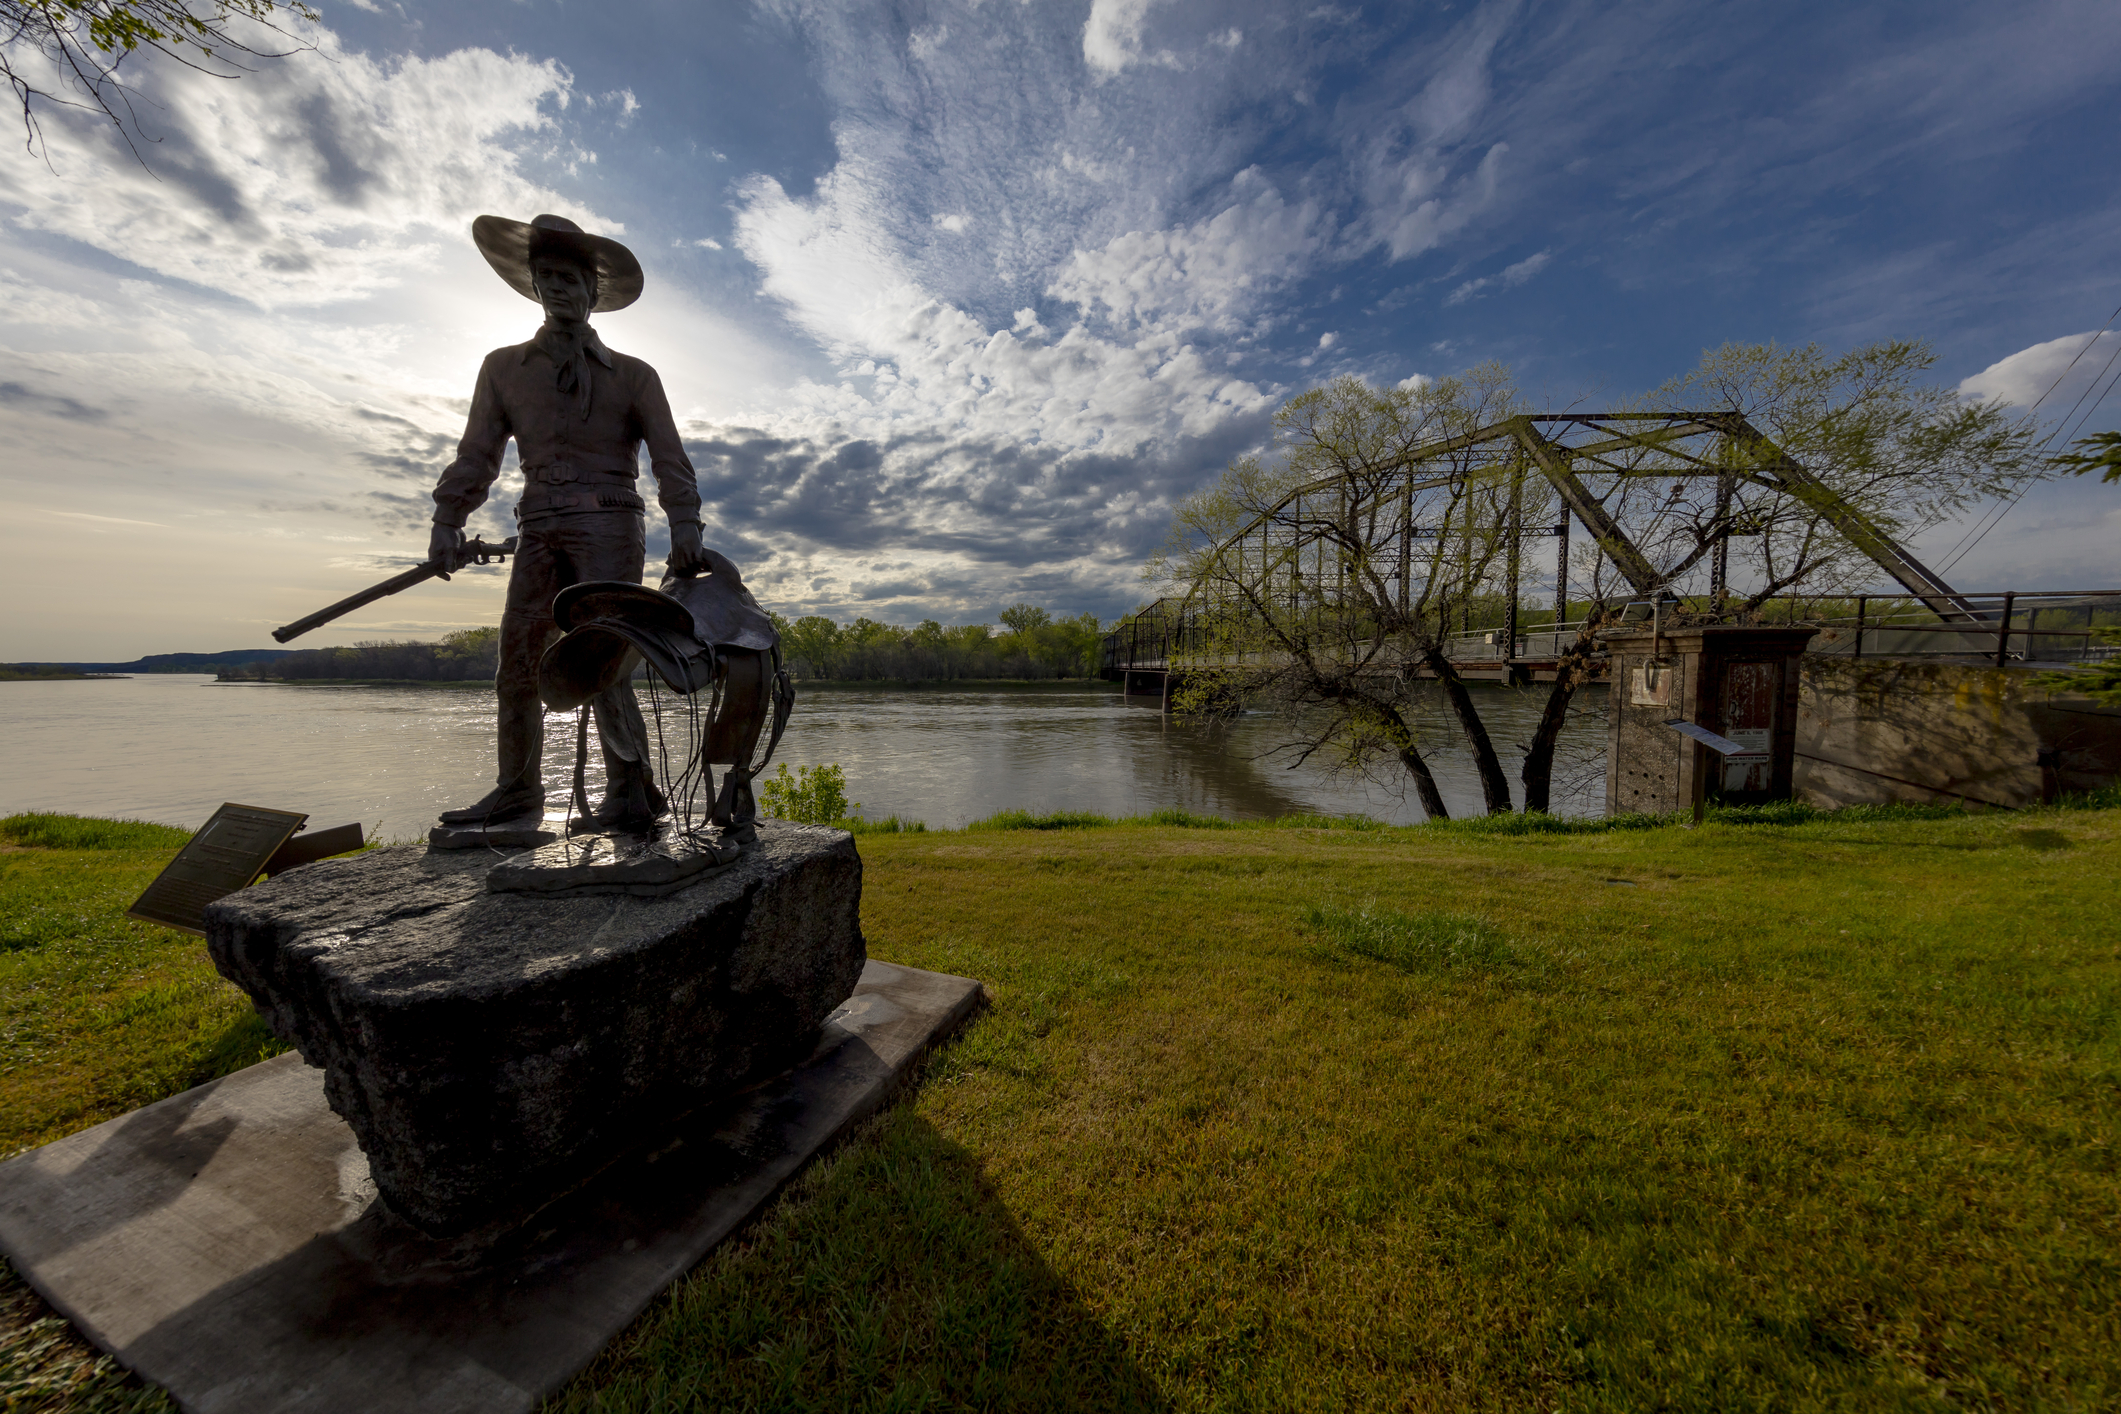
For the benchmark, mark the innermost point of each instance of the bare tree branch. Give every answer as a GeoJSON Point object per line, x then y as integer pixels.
{"type": "Point", "coordinates": [67, 53]}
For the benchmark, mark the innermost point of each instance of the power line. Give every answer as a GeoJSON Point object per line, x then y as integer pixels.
{"type": "Point", "coordinates": [1976, 533]}
{"type": "Point", "coordinates": [2080, 354]}
{"type": "Point", "coordinates": [2072, 434]}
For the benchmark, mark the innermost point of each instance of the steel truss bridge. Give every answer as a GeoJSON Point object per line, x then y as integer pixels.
{"type": "Point", "coordinates": [1370, 520]}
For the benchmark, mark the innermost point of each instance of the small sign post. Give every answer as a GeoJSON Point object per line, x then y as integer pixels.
{"type": "Point", "coordinates": [229, 851]}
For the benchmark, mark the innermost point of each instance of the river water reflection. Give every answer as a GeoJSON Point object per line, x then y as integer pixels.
{"type": "Point", "coordinates": [171, 748]}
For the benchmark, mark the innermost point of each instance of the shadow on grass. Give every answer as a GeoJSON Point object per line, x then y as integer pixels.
{"type": "Point", "coordinates": [890, 1277]}
{"type": "Point", "coordinates": [245, 1042]}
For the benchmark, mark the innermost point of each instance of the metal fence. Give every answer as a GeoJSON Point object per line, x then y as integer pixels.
{"type": "Point", "coordinates": [2013, 626]}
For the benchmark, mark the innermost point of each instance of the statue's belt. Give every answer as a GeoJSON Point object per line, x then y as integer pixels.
{"type": "Point", "coordinates": [539, 501]}
{"type": "Point", "coordinates": [582, 467]}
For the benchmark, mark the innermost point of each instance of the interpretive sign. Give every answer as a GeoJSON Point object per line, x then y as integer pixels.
{"type": "Point", "coordinates": [229, 851]}
{"type": "Point", "coordinates": [1722, 745]}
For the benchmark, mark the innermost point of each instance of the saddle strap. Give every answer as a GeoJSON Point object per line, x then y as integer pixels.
{"type": "Point", "coordinates": [783, 704]}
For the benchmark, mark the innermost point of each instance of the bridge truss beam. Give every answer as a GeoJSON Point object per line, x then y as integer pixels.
{"type": "Point", "coordinates": [1569, 451]}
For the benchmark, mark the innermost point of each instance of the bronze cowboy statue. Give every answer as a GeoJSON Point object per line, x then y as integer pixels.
{"type": "Point", "coordinates": [579, 414]}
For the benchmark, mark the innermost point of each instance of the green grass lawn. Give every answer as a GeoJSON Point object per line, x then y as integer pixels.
{"type": "Point", "coordinates": [1782, 1116]}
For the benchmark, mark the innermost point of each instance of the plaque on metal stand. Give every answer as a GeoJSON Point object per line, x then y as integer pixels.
{"type": "Point", "coordinates": [231, 849]}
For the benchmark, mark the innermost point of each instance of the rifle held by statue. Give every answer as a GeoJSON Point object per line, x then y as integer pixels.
{"type": "Point", "coordinates": [474, 552]}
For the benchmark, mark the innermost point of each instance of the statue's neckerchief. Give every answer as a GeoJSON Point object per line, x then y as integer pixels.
{"type": "Point", "coordinates": [571, 350]}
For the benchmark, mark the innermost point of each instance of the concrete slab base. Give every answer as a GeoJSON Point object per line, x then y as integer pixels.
{"type": "Point", "coordinates": [226, 1243]}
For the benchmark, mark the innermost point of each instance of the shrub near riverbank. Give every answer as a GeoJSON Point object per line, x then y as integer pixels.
{"type": "Point", "coordinates": [1786, 1112]}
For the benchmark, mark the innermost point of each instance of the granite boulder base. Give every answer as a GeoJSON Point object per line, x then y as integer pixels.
{"type": "Point", "coordinates": [491, 1051]}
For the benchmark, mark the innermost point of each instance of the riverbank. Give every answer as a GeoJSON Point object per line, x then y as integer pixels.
{"type": "Point", "coordinates": [1800, 1115]}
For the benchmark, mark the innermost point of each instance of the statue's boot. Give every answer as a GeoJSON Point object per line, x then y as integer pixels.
{"type": "Point", "coordinates": [521, 737]}
{"type": "Point", "coordinates": [509, 802]}
{"type": "Point", "coordinates": [631, 802]}
{"type": "Point", "coordinates": [736, 812]}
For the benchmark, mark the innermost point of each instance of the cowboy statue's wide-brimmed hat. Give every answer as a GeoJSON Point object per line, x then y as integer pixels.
{"type": "Point", "coordinates": [511, 246]}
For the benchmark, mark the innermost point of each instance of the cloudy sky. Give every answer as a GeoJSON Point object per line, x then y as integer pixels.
{"type": "Point", "coordinates": [954, 298]}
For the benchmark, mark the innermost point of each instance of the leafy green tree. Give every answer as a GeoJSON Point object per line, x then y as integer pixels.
{"type": "Point", "coordinates": [871, 650]}
{"type": "Point", "coordinates": [77, 46]}
{"type": "Point", "coordinates": [812, 643]}
{"type": "Point", "coordinates": [1325, 632]}
{"type": "Point", "coordinates": [865, 631]}
{"type": "Point", "coordinates": [2099, 452]}
{"type": "Point", "coordinates": [1868, 423]}
{"type": "Point", "coordinates": [2101, 682]}
{"type": "Point", "coordinates": [1022, 618]}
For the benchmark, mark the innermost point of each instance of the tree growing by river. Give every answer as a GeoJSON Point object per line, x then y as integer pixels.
{"type": "Point", "coordinates": [1324, 617]}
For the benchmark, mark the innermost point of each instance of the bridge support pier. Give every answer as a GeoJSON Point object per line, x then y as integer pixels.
{"type": "Point", "coordinates": [1738, 682]}
{"type": "Point", "coordinates": [1148, 682]}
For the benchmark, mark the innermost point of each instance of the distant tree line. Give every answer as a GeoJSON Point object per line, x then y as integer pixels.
{"type": "Point", "coordinates": [463, 656]}
{"type": "Point", "coordinates": [38, 672]}
{"type": "Point", "coordinates": [1031, 643]}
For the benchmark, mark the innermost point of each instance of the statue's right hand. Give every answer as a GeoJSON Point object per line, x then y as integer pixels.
{"type": "Point", "coordinates": [445, 548]}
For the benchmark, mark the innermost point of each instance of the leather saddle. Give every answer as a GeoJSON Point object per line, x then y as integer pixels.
{"type": "Point", "coordinates": [704, 631]}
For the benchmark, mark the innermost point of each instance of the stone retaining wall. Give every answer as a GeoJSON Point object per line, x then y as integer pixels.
{"type": "Point", "coordinates": [1878, 730]}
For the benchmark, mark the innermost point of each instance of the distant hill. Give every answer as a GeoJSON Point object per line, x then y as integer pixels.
{"type": "Point", "coordinates": [164, 662]}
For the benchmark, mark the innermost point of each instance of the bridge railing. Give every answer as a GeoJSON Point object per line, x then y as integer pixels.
{"type": "Point", "coordinates": [2011, 626]}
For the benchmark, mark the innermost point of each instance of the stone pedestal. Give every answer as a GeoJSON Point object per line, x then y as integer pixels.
{"type": "Point", "coordinates": [226, 1243]}
{"type": "Point", "coordinates": [651, 863]}
{"type": "Point", "coordinates": [492, 1050]}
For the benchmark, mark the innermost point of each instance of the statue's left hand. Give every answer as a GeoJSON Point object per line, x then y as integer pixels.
{"type": "Point", "coordinates": [687, 556]}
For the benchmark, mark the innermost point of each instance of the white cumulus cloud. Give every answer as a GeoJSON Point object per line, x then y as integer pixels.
{"type": "Point", "coordinates": [2060, 370]}
{"type": "Point", "coordinates": [1214, 272]}
{"type": "Point", "coordinates": [316, 178]}
{"type": "Point", "coordinates": [1112, 36]}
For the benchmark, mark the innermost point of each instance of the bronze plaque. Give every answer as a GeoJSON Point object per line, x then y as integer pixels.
{"type": "Point", "coordinates": [229, 851]}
